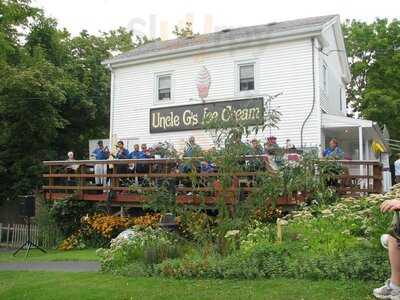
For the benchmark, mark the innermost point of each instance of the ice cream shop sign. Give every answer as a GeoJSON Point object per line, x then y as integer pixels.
{"type": "Point", "coordinates": [192, 117]}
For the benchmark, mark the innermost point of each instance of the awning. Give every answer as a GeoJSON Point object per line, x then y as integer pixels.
{"type": "Point", "coordinates": [371, 128]}
{"type": "Point", "coordinates": [333, 121]}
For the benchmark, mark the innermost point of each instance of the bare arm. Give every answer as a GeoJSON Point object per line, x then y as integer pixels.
{"type": "Point", "coordinates": [390, 205]}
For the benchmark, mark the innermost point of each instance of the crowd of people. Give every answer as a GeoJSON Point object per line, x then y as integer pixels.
{"type": "Point", "coordinates": [140, 152]}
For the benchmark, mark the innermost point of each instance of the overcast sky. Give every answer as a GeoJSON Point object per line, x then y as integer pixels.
{"type": "Point", "coordinates": [156, 18]}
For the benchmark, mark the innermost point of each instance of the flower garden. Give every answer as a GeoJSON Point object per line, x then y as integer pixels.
{"type": "Point", "coordinates": [336, 239]}
{"type": "Point", "coordinates": [327, 237]}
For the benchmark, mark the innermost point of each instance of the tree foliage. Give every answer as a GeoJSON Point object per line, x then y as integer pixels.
{"type": "Point", "coordinates": [54, 91]}
{"type": "Point", "coordinates": [184, 32]}
{"type": "Point", "coordinates": [374, 55]}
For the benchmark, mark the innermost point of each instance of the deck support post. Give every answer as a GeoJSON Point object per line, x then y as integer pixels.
{"type": "Point", "coordinates": [361, 153]}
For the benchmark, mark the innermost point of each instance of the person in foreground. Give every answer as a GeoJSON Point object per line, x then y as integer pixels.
{"type": "Point", "coordinates": [391, 289]}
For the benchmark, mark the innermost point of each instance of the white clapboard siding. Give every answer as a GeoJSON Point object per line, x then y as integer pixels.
{"type": "Point", "coordinates": [330, 101]}
{"type": "Point", "coordinates": [281, 67]}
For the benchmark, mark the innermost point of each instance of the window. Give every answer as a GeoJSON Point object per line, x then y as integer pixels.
{"type": "Point", "coordinates": [324, 78]}
{"type": "Point", "coordinates": [246, 77]}
{"type": "Point", "coordinates": [164, 88]}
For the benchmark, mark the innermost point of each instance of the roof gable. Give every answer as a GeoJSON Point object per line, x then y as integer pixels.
{"type": "Point", "coordinates": [224, 37]}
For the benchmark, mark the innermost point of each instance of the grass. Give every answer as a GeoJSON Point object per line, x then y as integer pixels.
{"type": "Point", "coordinates": [51, 285]}
{"type": "Point", "coordinates": [51, 255]}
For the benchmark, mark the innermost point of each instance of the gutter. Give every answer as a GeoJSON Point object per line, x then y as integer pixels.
{"type": "Point", "coordinates": [112, 89]}
{"type": "Point", "coordinates": [314, 93]}
{"type": "Point", "coordinates": [214, 47]}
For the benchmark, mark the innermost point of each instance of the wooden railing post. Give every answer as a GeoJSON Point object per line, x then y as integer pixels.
{"type": "Point", "coordinates": [51, 181]}
{"type": "Point", "coordinates": [377, 181]}
{"type": "Point", "coordinates": [81, 171]}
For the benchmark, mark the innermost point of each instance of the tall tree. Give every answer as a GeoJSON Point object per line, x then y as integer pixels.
{"type": "Point", "coordinates": [54, 92]}
{"type": "Point", "coordinates": [374, 55]}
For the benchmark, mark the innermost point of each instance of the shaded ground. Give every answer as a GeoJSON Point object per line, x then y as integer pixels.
{"type": "Point", "coordinates": [51, 255]}
{"type": "Point", "coordinates": [57, 285]}
{"type": "Point", "coordinates": [59, 266]}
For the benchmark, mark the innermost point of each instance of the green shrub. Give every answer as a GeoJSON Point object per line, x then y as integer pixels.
{"type": "Point", "coordinates": [143, 248]}
{"type": "Point", "coordinates": [337, 241]}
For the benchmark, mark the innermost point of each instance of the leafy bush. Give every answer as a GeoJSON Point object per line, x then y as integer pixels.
{"type": "Point", "coordinates": [98, 230]}
{"type": "Point", "coordinates": [337, 241]}
{"type": "Point", "coordinates": [143, 247]}
{"type": "Point", "coordinates": [68, 213]}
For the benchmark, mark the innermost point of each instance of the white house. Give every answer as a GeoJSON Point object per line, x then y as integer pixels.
{"type": "Point", "coordinates": [304, 61]}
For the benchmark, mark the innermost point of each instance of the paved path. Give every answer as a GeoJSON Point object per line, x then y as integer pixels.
{"type": "Point", "coordinates": [58, 266]}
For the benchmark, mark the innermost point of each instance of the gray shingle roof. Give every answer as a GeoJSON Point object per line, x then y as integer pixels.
{"type": "Point", "coordinates": [222, 37]}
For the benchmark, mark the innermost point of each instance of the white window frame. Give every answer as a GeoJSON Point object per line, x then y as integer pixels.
{"type": "Point", "coordinates": [156, 85]}
{"type": "Point", "coordinates": [325, 78]}
{"type": "Point", "coordinates": [238, 64]}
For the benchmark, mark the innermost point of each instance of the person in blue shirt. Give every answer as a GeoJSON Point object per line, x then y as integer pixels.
{"type": "Point", "coordinates": [122, 153]}
{"type": "Point", "coordinates": [137, 153]}
{"type": "Point", "coordinates": [333, 151]}
{"type": "Point", "coordinates": [100, 153]}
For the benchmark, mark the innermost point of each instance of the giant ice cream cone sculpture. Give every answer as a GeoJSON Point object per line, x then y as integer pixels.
{"type": "Point", "coordinates": [203, 83]}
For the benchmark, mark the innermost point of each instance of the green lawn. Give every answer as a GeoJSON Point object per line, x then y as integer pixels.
{"type": "Point", "coordinates": [59, 285]}
{"type": "Point", "coordinates": [47, 285]}
{"type": "Point", "coordinates": [51, 255]}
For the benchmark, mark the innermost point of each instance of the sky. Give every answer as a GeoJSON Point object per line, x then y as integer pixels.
{"type": "Point", "coordinates": [157, 18]}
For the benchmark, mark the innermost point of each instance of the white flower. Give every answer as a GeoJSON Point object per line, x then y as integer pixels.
{"type": "Point", "coordinates": [232, 233]}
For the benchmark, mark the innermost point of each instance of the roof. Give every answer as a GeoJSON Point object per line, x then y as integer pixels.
{"type": "Point", "coordinates": [333, 121]}
{"type": "Point", "coordinates": [224, 37]}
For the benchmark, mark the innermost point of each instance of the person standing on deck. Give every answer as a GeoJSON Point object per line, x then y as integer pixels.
{"type": "Point", "coordinates": [146, 151]}
{"type": "Point", "coordinates": [333, 151]}
{"type": "Point", "coordinates": [100, 153]}
{"type": "Point", "coordinates": [397, 169]}
{"type": "Point", "coordinates": [191, 150]}
{"type": "Point", "coordinates": [136, 153]}
{"type": "Point", "coordinates": [122, 153]}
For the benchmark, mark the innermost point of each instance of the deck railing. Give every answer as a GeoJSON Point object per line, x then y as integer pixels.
{"type": "Point", "coordinates": [359, 177]}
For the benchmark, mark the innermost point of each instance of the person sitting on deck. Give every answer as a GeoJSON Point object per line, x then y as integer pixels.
{"type": "Point", "coordinates": [100, 153]}
{"type": "Point", "coordinates": [333, 151]}
{"type": "Point", "coordinates": [71, 168]}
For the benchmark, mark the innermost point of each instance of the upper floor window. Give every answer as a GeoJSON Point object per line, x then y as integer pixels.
{"type": "Point", "coordinates": [164, 87]}
{"type": "Point", "coordinates": [324, 78]}
{"type": "Point", "coordinates": [246, 77]}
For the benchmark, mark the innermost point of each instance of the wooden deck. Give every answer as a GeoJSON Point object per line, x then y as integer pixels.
{"type": "Point", "coordinates": [360, 177]}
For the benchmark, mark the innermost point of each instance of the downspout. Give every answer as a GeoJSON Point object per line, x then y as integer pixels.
{"type": "Point", "coordinates": [111, 105]}
{"type": "Point", "coordinates": [313, 103]}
